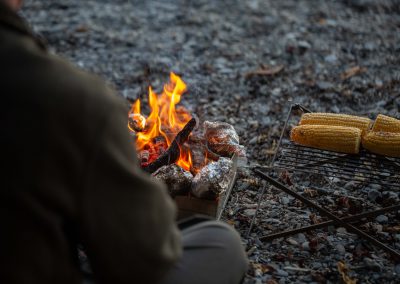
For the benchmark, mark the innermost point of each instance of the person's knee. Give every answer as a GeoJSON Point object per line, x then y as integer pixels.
{"type": "Point", "coordinates": [235, 249]}
{"type": "Point", "coordinates": [215, 233]}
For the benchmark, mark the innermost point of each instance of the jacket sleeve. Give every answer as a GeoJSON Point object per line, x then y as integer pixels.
{"type": "Point", "coordinates": [128, 220]}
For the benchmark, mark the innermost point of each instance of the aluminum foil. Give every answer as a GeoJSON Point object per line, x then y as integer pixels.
{"type": "Point", "coordinates": [222, 139]}
{"type": "Point", "coordinates": [177, 179]}
{"type": "Point", "coordinates": [213, 179]}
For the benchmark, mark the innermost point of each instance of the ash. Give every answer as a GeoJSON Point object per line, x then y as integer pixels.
{"type": "Point", "coordinates": [245, 62]}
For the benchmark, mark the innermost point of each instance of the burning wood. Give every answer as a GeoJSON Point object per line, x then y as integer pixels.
{"type": "Point", "coordinates": [173, 153]}
{"type": "Point", "coordinates": [223, 139]}
{"type": "Point", "coordinates": [170, 157]}
{"type": "Point", "coordinates": [152, 151]}
{"type": "Point", "coordinates": [177, 179]}
{"type": "Point", "coordinates": [154, 134]}
{"type": "Point", "coordinates": [212, 179]}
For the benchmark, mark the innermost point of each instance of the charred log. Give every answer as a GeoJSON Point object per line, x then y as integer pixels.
{"type": "Point", "coordinates": [172, 154]}
{"type": "Point", "coordinates": [152, 151]}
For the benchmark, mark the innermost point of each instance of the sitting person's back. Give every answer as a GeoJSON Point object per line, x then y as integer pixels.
{"type": "Point", "coordinates": [70, 175]}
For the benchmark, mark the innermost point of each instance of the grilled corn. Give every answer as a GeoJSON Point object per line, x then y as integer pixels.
{"type": "Point", "coordinates": [336, 119]}
{"type": "Point", "coordinates": [326, 137]}
{"type": "Point", "coordinates": [386, 124]}
{"type": "Point", "coordinates": [384, 143]}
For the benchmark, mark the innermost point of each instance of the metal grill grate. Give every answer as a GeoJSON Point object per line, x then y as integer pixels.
{"type": "Point", "coordinates": [364, 167]}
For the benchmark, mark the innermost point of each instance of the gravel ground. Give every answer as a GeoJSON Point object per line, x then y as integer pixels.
{"type": "Point", "coordinates": [245, 63]}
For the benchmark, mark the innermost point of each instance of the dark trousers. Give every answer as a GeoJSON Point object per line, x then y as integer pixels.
{"type": "Point", "coordinates": [212, 253]}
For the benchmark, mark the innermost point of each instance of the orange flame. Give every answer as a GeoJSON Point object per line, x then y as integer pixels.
{"type": "Point", "coordinates": [165, 119]}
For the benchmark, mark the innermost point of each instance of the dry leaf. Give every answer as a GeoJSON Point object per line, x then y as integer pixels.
{"type": "Point", "coordinates": [82, 29]}
{"type": "Point", "coordinates": [352, 72]}
{"type": "Point", "coordinates": [265, 71]}
{"type": "Point", "coordinates": [392, 229]}
{"type": "Point", "coordinates": [285, 177]}
{"type": "Point", "coordinates": [311, 192]}
{"type": "Point", "coordinates": [263, 268]}
{"type": "Point", "coordinates": [272, 150]}
{"type": "Point", "coordinates": [343, 270]}
{"type": "Point", "coordinates": [314, 219]}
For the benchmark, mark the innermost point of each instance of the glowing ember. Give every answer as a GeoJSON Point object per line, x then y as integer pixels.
{"type": "Point", "coordinates": [155, 133]}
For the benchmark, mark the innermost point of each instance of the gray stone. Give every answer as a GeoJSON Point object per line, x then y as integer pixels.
{"type": "Point", "coordinates": [292, 241]}
{"type": "Point", "coordinates": [282, 273]}
{"type": "Point", "coordinates": [301, 238]}
{"type": "Point", "coordinates": [331, 58]}
{"type": "Point", "coordinates": [285, 200]}
{"type": "Point", "coordinates": [397, 269]}
{"type": "Point", "coordinates": [374, 194]}
{"type": "Point", "coordinates": [249, 212]}
{"type": "Point", "coordinates": [306, 246]}
{"type": "Point", "coordinates": [372, 264]}
{"type": "Point", "coordinates": [341, 249]}
{"type": "Point", "coordinates": [382, 219]}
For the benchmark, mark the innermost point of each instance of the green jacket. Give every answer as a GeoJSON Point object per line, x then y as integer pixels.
{"type": "Point", "coordinates": [69, 175]}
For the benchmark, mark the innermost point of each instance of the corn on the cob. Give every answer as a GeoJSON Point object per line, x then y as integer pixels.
{"type": "Point", "coordinates": [386, 124]}
{"type": "Point", "coordinates": [326, 137]}
{"type": "Point", "coordinates": [384, 143]}
{"type": "Point", "coordinates": [336, 119]}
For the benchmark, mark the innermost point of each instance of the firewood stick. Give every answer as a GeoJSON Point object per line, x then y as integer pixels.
{"type": "Point", "coordinates": [172, 154]}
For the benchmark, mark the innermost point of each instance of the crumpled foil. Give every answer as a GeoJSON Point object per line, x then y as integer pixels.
{"type": "Point", "coordinates": [222, 139]}
{"type": "Point", "coordinates": [177, 179]}
{"type": "Point", "coordinates": [136, 122]}
{"type": "Point", "coordinates": [213, 179]}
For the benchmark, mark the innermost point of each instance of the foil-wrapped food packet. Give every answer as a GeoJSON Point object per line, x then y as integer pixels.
{"type": "Point", "coordinates": [213, 179]}
{"type": "Point", "coordinates": [223, 139]}
{"type": "Point", "coordinates": [176, 178]}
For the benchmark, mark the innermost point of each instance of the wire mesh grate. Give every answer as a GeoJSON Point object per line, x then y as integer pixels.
{"type": "Point", "coordinates": [364, 167]}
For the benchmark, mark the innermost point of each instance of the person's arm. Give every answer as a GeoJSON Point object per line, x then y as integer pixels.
{"type": "Point", "coordinates": [128, 220]}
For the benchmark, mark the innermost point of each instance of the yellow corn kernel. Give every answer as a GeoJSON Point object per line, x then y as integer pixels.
{"type": "Point", "coordinates": [386, 124]}
{"type": "Point", "coordinates": [384, 143]}
{"type": "Point", "coordinates": [326, 137]}
{"type": "Point", "coordinates": [336, 119]}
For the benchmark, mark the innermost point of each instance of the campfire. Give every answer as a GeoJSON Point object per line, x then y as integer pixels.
{"type": "Point", "coordinates": [174, 147]}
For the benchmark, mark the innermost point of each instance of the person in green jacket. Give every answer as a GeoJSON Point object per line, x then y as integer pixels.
{"type": "Point", "coordinates": [70, 176]}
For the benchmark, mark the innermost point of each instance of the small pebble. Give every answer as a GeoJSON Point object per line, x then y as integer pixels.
{"type": "Point", "coordinates": [372, 264]}
{"type": "Point", "coordinates": [374, 194]}
{"type": "Point", "coordinates": [282, 273]}
{"type": "Point", "coordinates": [249, 212]}
{"type": "Point", "coordinates": [292, 241]}
{"type": "Point", "coordinates": [301, 238]}
{"type": "Point", "coordinates": [305, 246]}
{"type": "Point", "coordinates": [341, 249]}
{"type": "Point", "coordinates": [285, 200]}
{"type": "Point", "coordinates": [382, 219]}
{"type": "Point", "coordinates": [397, 269]}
